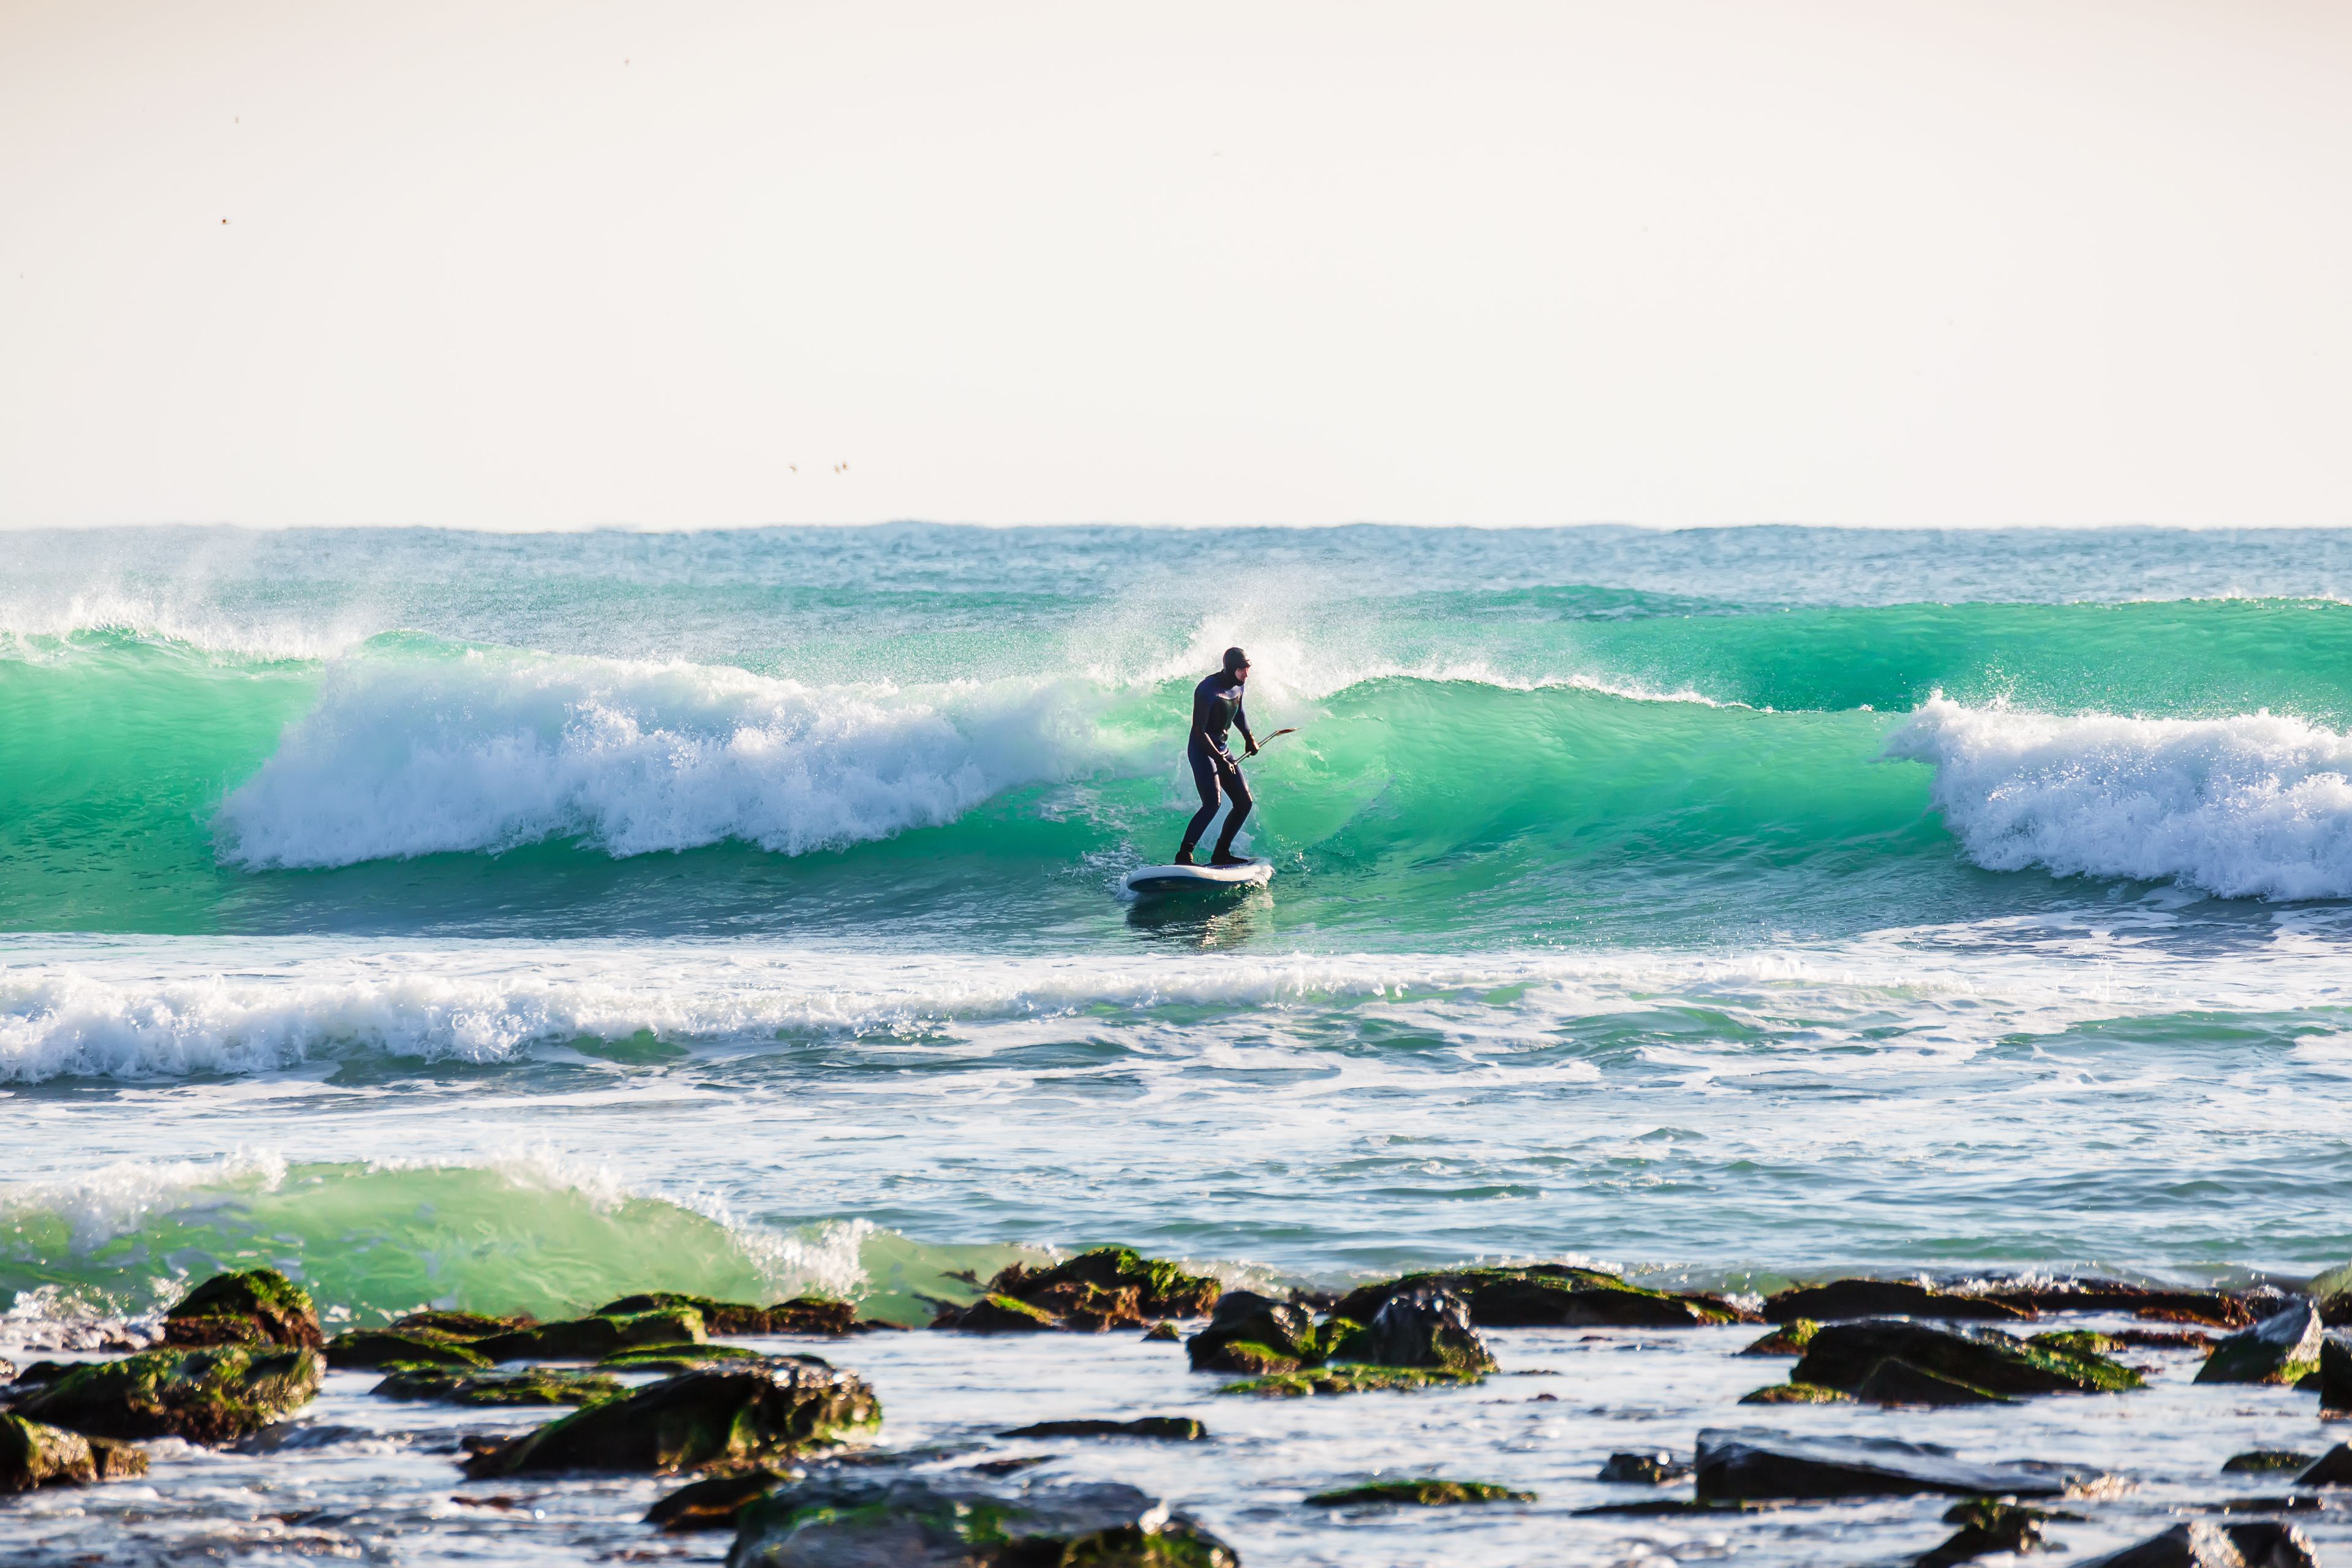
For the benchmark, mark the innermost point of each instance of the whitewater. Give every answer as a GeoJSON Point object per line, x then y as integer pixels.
{"type": "Point", "coordinates": [509, 922]}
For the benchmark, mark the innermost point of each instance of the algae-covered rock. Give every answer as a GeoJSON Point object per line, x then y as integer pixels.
{"type": "Point", "coordinates": [2217, 1309]}
{"type": "Point", "coordinates": [1843, 1299]}
{"type": "Point", "coordinates": [2333, 1469]}
{"type": "Point", "coordinates": [1425, 1327]}
{"type": "Point", "coordinates": [1109, 1288]}
{"type": "Point", "coordinates": [538, 1386]}
{"type": "Point", "coordinates": [674, 1358]}
{"type": "Point", "coordinates": [258, 1307]}
{"type": "Point", "coordinates": [714, 1503]}
{"type": "Point", "coordinates": [1163, 1330]}
{"type": "Point", "coordinates": [205, 1396]}
{"type": "Point", "coordinates": [459, 1326]}
{"type": "Point", "coordinates": [1423, 1493]}
{"type": "Point", "coordinates": [2282, 1348]}
{"type": "Point", "coordinates": [1795, 1394]}
{"type": "Point", "coordinates": [1654, 1469]}
{"type": "Point", "coordinates": [815, 1315]}
{"type": "Point", "coordinates": [717, 1316]}
{"type": "Point", "coordinates": [1845, 1355]}
{"type": "Point", "coordinates": [997, 1314]}
{"type": "Point", "coordinates": [2263, 1461]}
{"type": "Point", "coordinates": [2075, 1342]}
{"type": "Point", "coordinates": [1900, 1382]}
{"type": "Point", "coordinates": [1748, 1464]}
{"type": "Point", "coordinates": [1987, 1526]}
{"type": "Point", "coordinates": [1255, 1333]}
{"type": "Point", "coordinates": [721, 1416]}
{"type": "Point", "coordinates": [1164, 1428]}
{"type": "Point", "coordinates": [1351, 1379]}
{"type": "Point", "coordinates": [909, 1523]}
{"type": "Point", "coordinates": [1547, 1295]}
{"type": "Point", "coordinates": [1788, 1339]}
{"type": "Point", "coordinates": [596, 1337]}
{"type": "Point", "coordinates": [35, 1454]}
{"type": "Point", "coordinates": [2334, 1375]}
{"type": "Point", "coordinates": [365, 1348]}
{"type": "Point", "coordinates": [2202, 1544]}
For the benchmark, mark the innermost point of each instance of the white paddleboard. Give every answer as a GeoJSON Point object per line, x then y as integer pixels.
{"type": "Point", "coordinates": [1173, 878]}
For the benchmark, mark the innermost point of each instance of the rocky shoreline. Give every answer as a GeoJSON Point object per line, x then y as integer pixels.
{"type": "Point", "coordinates": [780, 1448]}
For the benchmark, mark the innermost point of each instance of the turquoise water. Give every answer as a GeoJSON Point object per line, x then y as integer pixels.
{"type": "Point", "coordinates": [548, 913]}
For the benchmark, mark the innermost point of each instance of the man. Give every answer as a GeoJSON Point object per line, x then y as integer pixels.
{"type": "Point", "coordinates": [1216, 709]}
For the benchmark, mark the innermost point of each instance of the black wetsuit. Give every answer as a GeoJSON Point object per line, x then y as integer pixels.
{"type": "Point", "coordinates": [1216, 709]}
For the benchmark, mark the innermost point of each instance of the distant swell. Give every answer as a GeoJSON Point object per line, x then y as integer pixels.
{"type": "Point", "coordinates": [2254, 806]}
{"type": "Point", "coordinates": [489, 752]}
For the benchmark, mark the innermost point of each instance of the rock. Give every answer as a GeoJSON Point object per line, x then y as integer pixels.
{"type": "Point", "coordinates": [44, 1372]}
{"type": "Point", "coordinates": [1425, 1327]}
{"type": "Point", "coordinates": [674, 1358]}
{"type": "Point", "coordinates": [2216, 1308]}
{"type": "Point", "coordinates": [1162, 1330]}
{"type": "Point", "coordinates": [1110, 1286]}
{"type": "Point", "coordinates": [1796, 1393]}
{"type": "Point", "coordinates": [205, 1396]}
{"type": "Point", "coordinates": [1175, 1428]}
{"type": "Point", "coordinates": [2280, 1349]}
{"type": "Point", "coordinates": [2333, 1469]}
{"type": "Point", "coordinates": [259, 1307]}
{"type": "Point", "coordinates": [1790, 1339]}
{"type": "Point", "coordinates": [35, 1454]}
{"type": "Point", "coordinates": [912, 1524]}
{"type": "Point", "coordinates": [1547, 1296]}
{"type": "Point", "coordinates": [535, 1387]}
{"type": "Point", "coordinates": [815, 1315]}
{"type": "Point", "coordinates": [2335, 1309]}
{"type": "Point", "coordinates": [1900, 1382]}
{"type": "Point", "coordinates": [1421, 1493]}
{"type": "Point", "coordinates": [364, 1348]}
{"type": "Point", "coordinates": [2154, 1339]}
{"type": "Point", "coordinates": [595, 1338]}
{"type": "Point", "coordinates": [1256, 1335]}
{"type": "Point", "coordinates": [2260, 1461]}
{"type": "Point", "coordinates": [716, 1502]}
{"type": "Point", "coordinates": [1987, 1526]}
{"type": "Point", "coordinates": [2334, 1375]}
{"type": "Point", "coordinates": [2075, 1342]}
{"type": "Point", "coordinates": [8, 1370]}
{"type": "Point", "coordinates": [461, 1326]}
{"type": "Point", "coordinates": [734, 1414]}
{"type": "Point", "coordinates": [1845, 1355]}
{"type": "Point", "coordinates": [997, 1314]}
{"type": "Point", "coordinates": [1647, 1469]}
{"type": "Point", "coordinates": [717, 1316]}
{"type": "Point", "coordinates": [1744, 1463]}
{"type": "Point", "coordinates": [1350, 1380]}
{"type": "Point", "coordinates": [1883, 1298]}
{"type": "Point", "coordinates": [2199, 1544]}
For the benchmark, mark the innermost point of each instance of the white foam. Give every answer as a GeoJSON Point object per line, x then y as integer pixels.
{"type": "Point", "coordinates": [2258, 805]}
{"type": "Point", "coordinates": [486, 752]}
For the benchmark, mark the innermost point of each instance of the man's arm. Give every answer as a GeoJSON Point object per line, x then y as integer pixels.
{"type": "Point", "coordinates": [1240, 723]}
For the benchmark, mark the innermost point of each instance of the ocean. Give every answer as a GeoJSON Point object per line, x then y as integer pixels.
{"type": "Point", "coordinates": [512, 921]}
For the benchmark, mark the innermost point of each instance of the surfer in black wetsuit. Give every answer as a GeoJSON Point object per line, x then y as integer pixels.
{"type": "Point", "coordinates": [1216, 709]}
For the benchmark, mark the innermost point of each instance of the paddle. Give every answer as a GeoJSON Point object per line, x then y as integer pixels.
{"type": "Point", "coordinates": [1277, 735]}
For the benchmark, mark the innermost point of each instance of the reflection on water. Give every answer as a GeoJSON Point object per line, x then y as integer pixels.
{"type": "Point", "coordinates": [1211, 920]}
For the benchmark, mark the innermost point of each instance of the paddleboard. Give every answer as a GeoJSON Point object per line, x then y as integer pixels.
{"type": "Point", "coordinates": [1202, 878]}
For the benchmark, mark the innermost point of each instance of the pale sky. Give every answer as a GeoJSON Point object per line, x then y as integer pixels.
{"type": "Point", "coordinates": [523, 264]}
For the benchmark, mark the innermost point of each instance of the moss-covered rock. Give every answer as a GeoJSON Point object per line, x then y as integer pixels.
{"type": "Point", "coordinates": [2282, 1348]}
{"type": "Point", "coordinates": [841, 1523]}
{"type": "Point", "coordinates": [256, 1307]}
{"type": "Point", "coordinates": [814, 1315]}
{"type": "Point", "coordinates": [460, 1326]}
{"type": "Point", "coordinates": [714, 1503]}
{"type": "Point", "coordinates": [2217, 1309]}
{"type": "Point", "coordinates": [675, 1358]}
{"type": "Point", "coordinates": [1162, 1428]}
{"type": "Point", "coordinates": [1988, 1526]}
{"type": "Point", "coordinates": [596, 1337]}
{"type": "Point", "coordinates": [2077, 1342]}
{"type": "Point", "coordinates": [2263, 1461]}
{"type": "Point", "coordinates": [720, 1416]}
{"type": "Point", "coordinates": [1425, 1327]}
{"type": "Point", "coordinates": [35, 1454]}
{"type": "Point", "coordinates": [997, 1314]}
{"type": "Point", "coordinates": [1351, 1379]}
{"type": "Point", "coordinates": [1796, 1393]}
{"type": "Point", "coordinates": [1651, 1470]}
{"type": "Point", "coordinates": [1845, 1355]}
{"type": "Point", "coordinates": [1845, 1299]}
{"type": "Point", "coordinates": [1111, 1286]}
{"type": "Point", "coordinates": [1899, 1383]}
{"type": "Point", "coordinates": [1788, 1339]}
{"type": "Point", "coordinates": [205, 1396]}
{"type": "Point", "coordinates": [538, 1386]}
{"type": "Point", "coordinates": [1423, 1493]}
{"type": "Point", "coordinates": [1547, 1295]}
{"type": "Point", "coordinates": [1164, 1330]}
{"type": "Point", "coordinates": [361, 1348]}
{"type": "Point", "coordinates": [717, 1316]}
{"type": "Point", "coordinates": [1256, 1335]}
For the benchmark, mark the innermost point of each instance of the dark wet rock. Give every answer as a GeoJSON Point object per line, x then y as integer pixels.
{"type": "Point", "coordinates": [1109, 1288]}
{"type": "Point", "coordinates": [2334, 1375]}
{"type": "Point", "coordinates": [2282, 1348]}
{"type": "Point", "coordinates": [2216, 1308]}
{"type": "Point", "coordinates": [535, 1387]}
{"type": "Point", "coordinates": [1845, 1355]}
{"type": "Point", "coordinates": [1796, 1393]}
{"type": "Point", "coordinates": [1425, 1327]}
{"type": "Point", "coordinates": [1645, 1469]}
{"type": "Point", "coordinates": [674, 1358]}
{"type": "Point", "coordinates": [997, 1314]}
{"type": "Point", "coordinates": [596, 1337]}
{"type": "Point", "coordinates": [909, 1523]}
{"type": "Point", "coordinates": [1351, 1379]}
{"type": "Point", "coordinates": [1172, 1428]}
{"type": "Point", "coordinates": [717, 1316]}
{"type": "Point", "coordinates": [2075, 1342]}
{"type": "Point", "coordinates": [2201, 1544]}
{"type": "Point", "coordinates": [1987, 1526]}
{"type": "Point", "coordinates": [722, 1415]}
{"type": "Point", "coordinates": [205, 1396]}
{"type": "Point", "coordinates": [1256, 1334]}
{"type": "Point", "coordinates": [1548, 1296]}
{"type": "Point", "coordinates": [1163, 1329]}
{"type": "Point", "coordinates": [2333, 1469]}
{"type": "Point", "coordinates": [1900, 1382]}
{"type": "Point", "coordinates": [1841, 1298]}
{"type": "Point", "coordinates": [461, 1326]}
{"type": "Point", "coordinates": [366, 1348]}
{"type": "Point", "coordinates": [1749, 1463]}
{"type": "Point", "coordinates": [1667, 1507]}
{"type": "Point", "coordinates": [35, 1454]}
{"type": "Point", "coordinates": [2335, 1309]}
{"type": "Point", "coordinates": [716, 1502]}
{"type": "Point", "coordinates": [35, 1374]}
{"type": "Point", "coordinates": [816, 1315]}
{"type": "Point", "coordinates": [1424, 1493]}
{"type": "Point", "coordinates": [2161, 1339]}
{"type": "Point", "coordinates": [258, 1307]}
{"type": "Point", "coordinates": [2259, 1461]}
{"type": "Point", "coordinates": [1790, 1339]}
